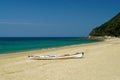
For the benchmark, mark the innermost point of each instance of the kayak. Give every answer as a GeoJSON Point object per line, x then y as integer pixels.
{"type": "Point", "coordinates": [52, 57]}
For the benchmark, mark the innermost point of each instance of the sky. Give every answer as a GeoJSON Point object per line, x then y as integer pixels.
{"type": "Point", "coordinates": [54, 18]}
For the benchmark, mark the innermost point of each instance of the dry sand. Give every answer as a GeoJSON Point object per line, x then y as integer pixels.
{"type": "Point", "coordinates": [101, 62]}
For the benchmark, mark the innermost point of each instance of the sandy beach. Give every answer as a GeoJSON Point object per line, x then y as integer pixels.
{"type": "Point", "coordinates": [101, 62]}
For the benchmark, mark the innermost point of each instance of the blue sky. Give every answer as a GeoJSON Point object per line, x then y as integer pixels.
{"type": "Point", "coordinates": [54, 18]}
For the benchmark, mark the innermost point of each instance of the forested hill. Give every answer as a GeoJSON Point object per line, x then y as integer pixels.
{"type": "Point", "coordinates": [109, 28]}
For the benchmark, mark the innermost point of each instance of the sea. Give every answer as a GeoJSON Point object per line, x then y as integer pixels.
{"type": "Point", "coordinates": [17, 44]}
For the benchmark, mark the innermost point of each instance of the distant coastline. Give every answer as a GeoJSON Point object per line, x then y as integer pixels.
{"type": "Point", "coordinates": [101, 37]}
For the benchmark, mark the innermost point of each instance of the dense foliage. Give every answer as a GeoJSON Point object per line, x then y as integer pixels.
{"type": "Point", "coordinates": [110, 28]}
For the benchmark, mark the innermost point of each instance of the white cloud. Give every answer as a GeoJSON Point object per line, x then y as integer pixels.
{"type": "Point", "coordinates": [20, 23]}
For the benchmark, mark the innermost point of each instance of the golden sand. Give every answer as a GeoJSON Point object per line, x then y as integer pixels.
{"type": "Point", "coordinates": [101, 62]}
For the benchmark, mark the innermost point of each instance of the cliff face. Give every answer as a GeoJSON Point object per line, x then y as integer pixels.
{"type": "Point", "coordinates": [109, 28]}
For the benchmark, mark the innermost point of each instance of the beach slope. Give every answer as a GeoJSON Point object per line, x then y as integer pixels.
{"type": "Point", "coordinates": [101, 62]}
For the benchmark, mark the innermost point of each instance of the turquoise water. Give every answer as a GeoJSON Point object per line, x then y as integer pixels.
{"type": "Point", "coordinates": [13, 44]}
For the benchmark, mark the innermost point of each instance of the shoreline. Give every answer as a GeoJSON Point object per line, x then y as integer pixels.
{"type": "Point", "coordinates": [46, 45]}
{"type": "Point", "coordinates": [49, 49]}
{"type": "Point", "coordinates": [101, 62]}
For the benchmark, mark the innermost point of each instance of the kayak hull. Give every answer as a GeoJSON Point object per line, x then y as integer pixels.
{"type": "Point", "coordinates": [52, 57]}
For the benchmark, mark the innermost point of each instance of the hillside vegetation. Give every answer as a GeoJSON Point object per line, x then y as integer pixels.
{"type": "Point", "coordinates": [109, 28]}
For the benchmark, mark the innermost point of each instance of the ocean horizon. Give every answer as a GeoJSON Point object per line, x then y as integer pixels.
{"type": "Point", "coordinates": [17, 44]}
